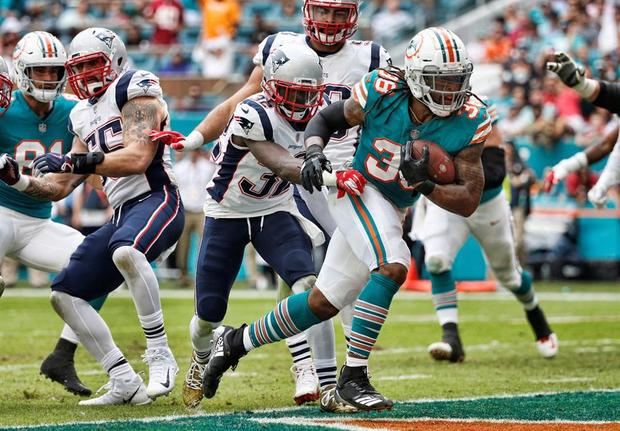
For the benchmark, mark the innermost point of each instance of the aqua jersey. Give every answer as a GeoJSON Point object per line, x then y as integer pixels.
{"type": "Point", "coordinates": [387, 127]}
{"type": "Point", "coordinates": [25, 136]}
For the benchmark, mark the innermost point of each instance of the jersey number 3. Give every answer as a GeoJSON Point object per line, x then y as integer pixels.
{"type": "Point", "coordinates": [384, 168]}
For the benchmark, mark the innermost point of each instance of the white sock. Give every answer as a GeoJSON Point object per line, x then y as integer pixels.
{"type": "Point", "coordinates": [356, 362]}
{"type": "Point", "coordinates": [448, 315]}
{"type": "Point", "coordinates": [69, 335]}
{"type": "Point", "coordinates": [117, 366]}
{"type": "Point", "coordinates": [153, 327]}
{"type": "Point", "coordinates": [299, 349]}
{"type": "Point", "coordinates": [247, 342]}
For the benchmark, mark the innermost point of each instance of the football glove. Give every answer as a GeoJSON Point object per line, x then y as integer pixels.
{"type": "Point", "coordinates": [561, 170]}
{"type": "Point", "coordinates": [9, 170]}
{"type": "Point", "coordinates": [598, 196]}
{"type": "Point", "coordinates": [177, 140]}
{"type": "Point", "coordinates": [77, 163]}
{"type": "Point", "coordinates": [414, 171]}
{"type": "Point", "coordinates": [350, 182]}
{"type": "Point", "coordinates": [312, 169]}
{"type": "Point", "coordinates": [571, 73]}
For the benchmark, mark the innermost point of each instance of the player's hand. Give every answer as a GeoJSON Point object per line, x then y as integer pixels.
{"type": "Point", "coordinates": [570, 73]}
{"type": "Point", "coordinates": [312, 169]}
{"type": "Point", "coordinates": [169, 137]}
{"type": "Point", "coordinates": [564, 167]}
{"type": "Point", "coordinates": [53, 163]}
{"type": "Point", "coordinates": [9, 170]}
{"type": "Point", "coordinates": [350, 182]}
{"type": "Point", "coordinates": [413, 170]}
{"type": "Point", "coordinates": [598, 196]}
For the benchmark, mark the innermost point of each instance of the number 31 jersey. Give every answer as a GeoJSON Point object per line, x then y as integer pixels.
{"type": "Point", "coordinates": [25, 136]}
{"type": "Point", "coordinates": [241, 186]}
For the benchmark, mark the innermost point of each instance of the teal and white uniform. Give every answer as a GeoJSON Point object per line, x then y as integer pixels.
{"type": "Point", "coordinates": [369, 232]}
{"type": "Point", "coordinates": [26, 231]}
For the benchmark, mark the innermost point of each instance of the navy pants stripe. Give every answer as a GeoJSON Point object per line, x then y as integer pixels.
{"type": "Point", "coordinates": [277, 237]}
{"type": "Point", "coordinates": [91, 272]}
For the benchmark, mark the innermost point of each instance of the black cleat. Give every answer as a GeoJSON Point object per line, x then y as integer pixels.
{"type": "Point", "coordinates": [354, 389]}
{"type": "Point", "coordinates": [226, 351]}
{"type": "Point", "coordinates": [450, 347]}
{"type": "Point", "coordinates": [59, 367]}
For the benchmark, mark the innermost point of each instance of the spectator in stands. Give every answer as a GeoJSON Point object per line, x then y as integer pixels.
{"type": "Point", "coordinates": [498, 44]}
{"type": "Point", "coordinates": [9, 35]}
{"type": "Point", "coordinates": [567, 101]}
{"type": "Point", "coordinates": [220, 19]}
{"type": "Point", "coordinates": [262, 29]}
{"type": "Point", "coordinates": [133, 38]}
{"type": "Point", "coordinates": [114, 16]}
{"type": "Point", "coordinates": [167, 16]}
{"type": "Point", "coordinates": [177, 64]}
{"type": "Point", "coordinates": [194, 101]}
{"type": "Point", "coordinates": [598, 125]}
{"type": "Point", "coordinates": [192, 173]}
{"type": "Point", "coordinates": [391, 23]}
{"type": "Point", "coordinates": [286, 16]}
{"type": "Point", "coordinates": [75, 19]}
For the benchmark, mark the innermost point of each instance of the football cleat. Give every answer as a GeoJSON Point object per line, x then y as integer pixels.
{"type": "Point", "coordinates": [162, 371]}
{"type": "Point", "coordinates": [329, 404]}
{"type": "Point", "coordinates": [121, 391]}
{"type": "Point", "coordinates": [450, 347]}
{"type": "Point", "coordinates": [192, 386]}
{"type": "Point", "coordinates": [548, 346]}
{"type": "Point", "coordinates": [226, 351]}
{"type": "Point", "coordinates": [306, 383]}
{"type": "Point", "coordinates": [354, 389]}
{"type": "Point", "coordinates": [59, 367]}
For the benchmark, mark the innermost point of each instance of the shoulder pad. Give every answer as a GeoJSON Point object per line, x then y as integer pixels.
{"type": "Point", "coordinates": [136, 83]}
{"type": "Point", "coordinates": [270, 43]}
{"type": "Point", "coordinates": [379, 82]}
{"type": "Point", "coordinates": [251, 121]}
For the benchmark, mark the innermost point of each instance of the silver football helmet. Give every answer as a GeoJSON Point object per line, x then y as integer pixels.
{"type": "Point", "coordinates": [96, 57]}
{"type": "Point", "coordinates": [40, 49]}
{"type": "Point", "coordinates": [437, 69]}
{"type": "Point", "coordinates": [293, 81]}
{"type": "Point", "coordinates": [6, 87]}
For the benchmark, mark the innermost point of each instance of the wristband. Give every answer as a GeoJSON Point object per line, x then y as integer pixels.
{"type": "Point", "coordinates": [586, 88]}
{"type": "Point", "coordinates": [329, 179]}
{"type": "Point", "coordinates": [426, 187]}
{"type": "Point", "coordinates": [194, 140]}
{"type": "Point", "coordinates": [22, 184]}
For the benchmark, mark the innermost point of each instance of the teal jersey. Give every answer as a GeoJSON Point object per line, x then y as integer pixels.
{"type": "Point", "coordinates": [388, 126]}
{"type": "Point", "coordinates": [25, 136]}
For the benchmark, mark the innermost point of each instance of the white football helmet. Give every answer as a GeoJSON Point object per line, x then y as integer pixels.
{"type": "Point", "coordinates": [330, 22]}
{"type": "Point", "coordinates": [293, 81]}
{"type": "Point", "coordinates": [39, 49]}
{"type": "Point", "coordinates": [96, 57]}
{"type": "Point", "coordinates": [438, 69]}
{"type": "Point", "coordinates": [6, 87]}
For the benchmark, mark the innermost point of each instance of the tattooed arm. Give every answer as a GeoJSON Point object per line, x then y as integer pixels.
{"type": "Point", "coordinates": [462, 197]}
{"type": "Point", "coordinates": [139, 116]}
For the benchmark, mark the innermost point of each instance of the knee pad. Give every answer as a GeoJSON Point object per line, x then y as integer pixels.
{"type": "Point", "coordinates": [201, 333]}
{"type": "Point", "coordinates": [212, 308]}
{"type": "Point", "coordinates": [59, 301]}
{"type": "Point", "coordinates": [437, 264]}
{"type": "Point", "coordinates": [122, 258]}
{"type": "Point", "coordinates": [303, 284]}
{"type": "Point", "coordinates": [508, 277]}
{"type": "Point", "coordinates": [284, 291]}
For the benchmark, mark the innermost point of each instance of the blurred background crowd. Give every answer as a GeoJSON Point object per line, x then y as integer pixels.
{"type": "Point", "coordinates": [202, 50]}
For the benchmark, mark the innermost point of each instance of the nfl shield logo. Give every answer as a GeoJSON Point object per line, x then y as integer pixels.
{"type": "Point", "coordinates": [42, 127]}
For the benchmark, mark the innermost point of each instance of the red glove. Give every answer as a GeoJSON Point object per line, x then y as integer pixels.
{"type": "Point", "coordinates": [549, 181]}
{"type": "Point", "coordinates": [350, 181]}
{"type": "Point", "coordinates": [169, 137]}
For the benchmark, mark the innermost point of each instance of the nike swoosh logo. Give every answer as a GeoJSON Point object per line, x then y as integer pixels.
{"type": "Point", "coordinates": [166, 384]}
{"type": "Point", "coordinates": [128, 400]}
{"type": "Point", "coordinates": [244, 109]}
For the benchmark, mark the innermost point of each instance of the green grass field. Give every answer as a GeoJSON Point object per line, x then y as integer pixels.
{"type": "Point", "coordinates": [501, 356]}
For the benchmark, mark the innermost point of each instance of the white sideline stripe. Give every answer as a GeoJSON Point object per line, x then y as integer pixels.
{"type": "Point", "coordinates": [564, 380]}
{"type": "Point", "coordinates": [405, 377]}
{"type": "Point", "coordinates": [286, 409]}
{"type": "Point", "coordinates": [502, 295]}
{"type": "Point", "coordinates": [431, 318]}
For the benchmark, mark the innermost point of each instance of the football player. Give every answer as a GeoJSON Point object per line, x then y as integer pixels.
{"type": "Point", "coordinates": [367, 259]}
{"type": "Point", "coordinates": [328, 27]}
{"type": "Point", "coordinates": [599, 93]}
{"type": "Point", "coordinates": [444, 233]}
{"type": "Point", "coordinates": [36, 123]}
{"type": "Point", "coordinates": [111, 122]}
{"type": "Point", "coordinates": [250, 198]}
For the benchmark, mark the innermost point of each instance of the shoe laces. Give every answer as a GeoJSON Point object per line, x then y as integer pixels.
{"type": "Point", "coordinates": [194, 374]}
{"type": "Point", "coordinates": [362, 383]}
{"type": "Point", "coordinates": [158, 360]}
{"type": "Point", "coordinates": [304, 373]}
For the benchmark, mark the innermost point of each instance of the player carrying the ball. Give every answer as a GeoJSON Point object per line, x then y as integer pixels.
{"type": "Point", "coordinates": [367, 259]}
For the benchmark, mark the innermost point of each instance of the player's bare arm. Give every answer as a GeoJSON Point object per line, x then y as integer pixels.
{"type": "Point", "coordinates": [594, 153]}
{"type": "Point", "coordinates": [139, 116]}
{"type": "Point", "coordinates": [275, 157]}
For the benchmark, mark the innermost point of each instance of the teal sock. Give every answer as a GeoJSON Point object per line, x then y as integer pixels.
{"type": "Point", "coordinates": [369, 313]}
{"type": "Point", "coordinates": [97, 303]}
{"type": "Point", "coordinates": [290, 317]}
{"type": "Point", "coordinates": [525, 293]}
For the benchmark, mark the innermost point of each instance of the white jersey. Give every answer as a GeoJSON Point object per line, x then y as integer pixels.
{"type": "Point", "coordinates": [341, 71]}
{"type": "Point", "coordinates": [97, 122]}
{"type": "Point", "coordinates": [241, 186]}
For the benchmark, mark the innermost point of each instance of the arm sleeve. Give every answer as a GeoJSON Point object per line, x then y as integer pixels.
{"type": "Point", "coordinates": [609, 96]}
{"type": "Point", "coordinates": [494, 167]}
{"type": "Point", "coordinates": [327, 121]}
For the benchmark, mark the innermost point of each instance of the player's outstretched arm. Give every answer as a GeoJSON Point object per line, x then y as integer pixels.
{"type": "Point", "coordinates": [274, 157]}
{"type": "Point", "coordinates": [462, 197]}
{"type": "Point", "coordinates": [139, 116]}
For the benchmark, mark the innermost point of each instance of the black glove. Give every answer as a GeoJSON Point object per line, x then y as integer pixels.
{"type": "Point", "coordinates": [565, 67]}
{"type": "Point", "coordinates": [413, 170]}
{"type": "Point", "coordinates": [312, 169]}
{"type": "Point", "coordinates": [9, 170]}
{"type": "Point", "coordinates": [78, 163]}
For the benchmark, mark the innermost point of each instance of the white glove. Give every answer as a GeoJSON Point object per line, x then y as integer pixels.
{"type": "Point", "coordinates": [566, 166]}
{"type": "Point", "coordinates": [598, 196]}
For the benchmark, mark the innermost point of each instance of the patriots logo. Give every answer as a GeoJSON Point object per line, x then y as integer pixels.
{"type": "Point", "coordinates": [106, 38]}
{"type": "Point", "coordinates": [145, 84]}
{"type": "Point", "coordinates": [245, 124]}
{"type": "Point", "coordinates": [278, 58]}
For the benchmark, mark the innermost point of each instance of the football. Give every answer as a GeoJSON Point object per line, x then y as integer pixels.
{"type": "Point", "coordinates": [440, 165]}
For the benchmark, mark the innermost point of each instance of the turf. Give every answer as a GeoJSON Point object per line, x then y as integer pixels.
{"type": "Point", "coordinates": [501, 356]}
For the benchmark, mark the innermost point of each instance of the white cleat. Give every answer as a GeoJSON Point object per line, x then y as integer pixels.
{"type": "Point", "coordinates": [548, 346]}
{"type": "Point", "coordinates": [121, 392]}
{"type": "Point", "coordinates": [162, 371]}
{"type": "Point", "coordinates": [306, 383]}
